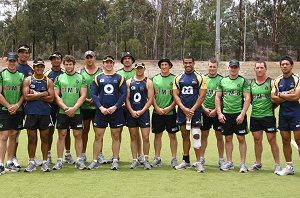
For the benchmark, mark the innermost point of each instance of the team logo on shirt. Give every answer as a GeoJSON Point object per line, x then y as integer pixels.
{"type": "Point", "coordinates": [77, 81]}
{"type": "Point", "coordinates": [137, 97]}
{"type": "Point", "coordinates": [187, 90]}
{"type": "Point", "coordinates": [108, 89]}
{"type": "Point", "coordinates": [32, 86]}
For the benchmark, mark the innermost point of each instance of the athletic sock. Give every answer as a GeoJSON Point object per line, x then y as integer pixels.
{"type": "Point", "coordinates": [59, 159]}
{"type": "Point", "coordinates": [186, 158]}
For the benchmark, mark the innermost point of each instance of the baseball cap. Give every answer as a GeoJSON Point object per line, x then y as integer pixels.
{"type": "Point", "coordinates": [38, 61]}
{"type": "Point", "coordinates": [55, 54]}
{"type": "Point", "coordinates": [12, 56]}
{"type": "Point", "coordinates": [234, 62]}
{"type": "Point", "coordinates": [23, 47]}
{"type": "Point", "coordinates": [165, 60]}
{"type": "Point", "coordinates": [127, 54]}
{"type": "Point", "coordinates": [89, 53]}
{"type": "Point", "coordinates": [139, 65]}
{"type": "Point", "coordinates": [108, 58]}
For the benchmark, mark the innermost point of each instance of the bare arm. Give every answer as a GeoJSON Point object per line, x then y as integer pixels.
{"type": "Point", "coordinates": [292, 95]}
{"type": "Point", "coordinates": [247, 100]}
{"type": "Point", "coordinates": [50, 97]}
{"type": "Point", "coordinates": [59, 101]}
{"type": "Point", "coordinates": [30, 94]}
{"type": "Point", "coordinates": [218, 101]}
{"type": "Point", "coordinates": [71, 110]}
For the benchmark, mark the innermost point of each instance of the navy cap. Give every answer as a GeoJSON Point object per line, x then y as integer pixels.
{"type": "Point", "coordinates": [12, 56]}
{"type": "Point", "coordinates": [56, 54]}
{"type": "Point", "coordinates": [23, 47]}
{"type": "Point", "coordinates": [108, 58]}
{"type": "Point", "coordinates": [139, 65]}
{"type": "Point", "coordinates": [234, 62]}
{"type": "Point", "coordinates": [38, 61]}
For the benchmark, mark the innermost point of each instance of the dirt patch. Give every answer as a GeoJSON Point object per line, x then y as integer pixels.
{"type": "Point", "coordinates": [201, 66]}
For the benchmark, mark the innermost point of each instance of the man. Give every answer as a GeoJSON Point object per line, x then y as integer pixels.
{"type": "Point", "coordinates": [128, 72]}
{"type": "Point", "coordinates": [189, 92]}
{"type": "Point", "coordinates": [88, 108]}
{"type": "Point", "coordinates": [262, 116]}
{"type": "Point", "coordinates": [23, 67]}
{"type": "Point", "coordinates": [210, 117]}
{"type": "Point", "coordinates": [11, 111]}
{"type": "Point", "coordinates": [139, 98]}
{"type": "Point", "coordinates": [23, 56]}
{"type": "Point", "coordinates": [232, 102]}
{"type": "Point", "coordinates": [286, 93]}
{"type": "Point", "coordinates": [52, 73]}
{"type": "Point", "coordinates": [38, 93]}
{"type": "Point", "coordinates": [70, 93]}
{"type": "Point", "coordinates": [108, 93]}
{"type": "Point", "coordinates": [164, 113]}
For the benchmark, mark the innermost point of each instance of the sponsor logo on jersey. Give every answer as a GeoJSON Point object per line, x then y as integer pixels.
{"type": "Point", "coordinates": [101, 80]}
{"type": "Point", "coordinates": [242, 131]}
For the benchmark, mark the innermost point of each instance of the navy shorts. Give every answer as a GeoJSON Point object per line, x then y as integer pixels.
{"type": "Point", "coordinates": [66, 122]}
{"type": "Point", "coordinates": [11, 122]}
{"type": "Point", "coordinates": [289, 123]}
{"type": "Point", "coordinates": [196, 120]}
{"type": "Point", "coordinates": [208, 122]}
{"type": "Point", "coordinates": [164, 122]}
{"type": "Point", "coordinates": [34, 122]}
{"type": "Point", "coordinates": [115, 120]}
{"type": "Point", "coordinates": [231, 126]}
{"type": "Point", "coordinates": [267, 124]}
{"type": "Point", "coordinates": [143, 121]}
{"type": "Point", "coordinates": [88, 114]}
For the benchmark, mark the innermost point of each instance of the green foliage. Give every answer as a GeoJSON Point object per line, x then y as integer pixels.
{"type": "Point", "coordinates": [151, 29]}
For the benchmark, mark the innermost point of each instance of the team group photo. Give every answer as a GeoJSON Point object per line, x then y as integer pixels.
{"type": "Point", "coordinates": [149, 98]}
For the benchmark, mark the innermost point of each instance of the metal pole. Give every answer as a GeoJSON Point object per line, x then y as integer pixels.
{"type": "Point", "coordinates": [217, 49]}
{"type": "Point", "coordinates": [245, 30]}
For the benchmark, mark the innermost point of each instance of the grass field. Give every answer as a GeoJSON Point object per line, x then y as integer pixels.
{"type": "Point", "coordinates": [158, 182]}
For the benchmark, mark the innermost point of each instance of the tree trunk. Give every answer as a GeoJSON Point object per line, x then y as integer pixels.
{"type": "Point", "coordinates": [241, 28]}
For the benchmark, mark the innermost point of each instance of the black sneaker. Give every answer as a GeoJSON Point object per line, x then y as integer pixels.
{"type": "Point", "coordinates": [2, 170]}
{"type": "Point", "coordinates": [11, 167]}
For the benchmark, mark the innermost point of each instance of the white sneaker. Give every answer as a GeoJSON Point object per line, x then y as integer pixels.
{"type": "Point", "coordinates": [243, 168]}
{"type": "Point", "coordinates": [288, 170]}
{"type": "Point", "coordinates": [199, 167]}
{"type": "Point", "coordinates": [182, 166]}
{"type": "Point", "coordinates": [37, 162]}
{"type": "Point", "coordinates": [16, 162]}
{"type": "Point", "coordinates": [277, 168]}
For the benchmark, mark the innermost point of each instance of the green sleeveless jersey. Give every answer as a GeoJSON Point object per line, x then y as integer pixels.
{"type": "Point", "coordinates": [261, 99]}
{"type": "Point", "coordinates": [212, 84]}
{"type": "Point", "coordinates": [69, 86]}
{"type": "Point", "coordinates": [126, 74]}
{"type": "Point", "coordinates": [11, 84]}
{"type": "Point", "coordinates": [232, 90]}
{"type": "Point", "coordinates": [89, 79]}
{"type": "Point", "coordinates": [163, 86]}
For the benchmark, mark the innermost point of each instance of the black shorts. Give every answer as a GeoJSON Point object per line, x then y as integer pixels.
{"type": "Point", "coordinates": [289, 123]}
{"type": "Point", "coordinates": [231, 126]}
{"type": "Point", "coordinates": [66, 122]}
{"type": "Point", "coordinates": [34, 122]}
{"type": "Point", "coordinates": [115, 120]}
{"type": "Point", "coordinates": [209, 121]}
{"type": "Point", "coordinates": [54, 112]}
{"type": "Point", "coordinates": [88, 114]}
{"type": "Point", "coordinates": [11, 122]}
{"type": "Point", "coordinates": [164, 122]}
{"type": "Point", "coordinates": [267, 124]}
